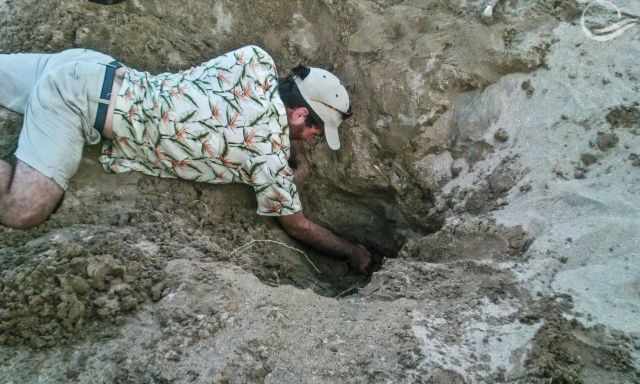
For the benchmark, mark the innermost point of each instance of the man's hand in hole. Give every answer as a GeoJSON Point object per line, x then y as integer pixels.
{"type": "Point", "coordinates": [322, 239]}
{"type": "Point", "coordinates": [361, 260]}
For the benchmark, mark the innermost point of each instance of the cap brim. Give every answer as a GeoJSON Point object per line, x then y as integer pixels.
{"type": "Point", "coordinates": [332, 120]}
{"type": "Point", "coordinates": [332, 137]}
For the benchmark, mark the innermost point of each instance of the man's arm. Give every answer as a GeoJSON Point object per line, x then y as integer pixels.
{"type": "Point", "coordinates": [314, 235]}
{"type": "Point", "coordinates": [320, 238]}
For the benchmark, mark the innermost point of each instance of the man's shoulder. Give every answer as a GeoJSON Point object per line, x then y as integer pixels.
{"type": "Point", "coordinates": [254, 52]}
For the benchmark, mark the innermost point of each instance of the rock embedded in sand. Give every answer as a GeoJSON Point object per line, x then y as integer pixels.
{"type": "Point", "coordinates": [528, 88]}
{"type": "Point", "coordinates": [468, 240]}
{"type": "Point", "coordinates": [157, 290]}
{"type": "Point", "coordinates": [588, 159]}
{"type": "Point", "coordinates": [606, 141]}
{"type": "Point", "coordinates": [624, 116]}
{"type": "Point", "coordinates": [501, 135]}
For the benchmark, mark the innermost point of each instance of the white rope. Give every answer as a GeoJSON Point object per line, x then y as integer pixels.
{"type": "Point", "coordinates": [613, 31]}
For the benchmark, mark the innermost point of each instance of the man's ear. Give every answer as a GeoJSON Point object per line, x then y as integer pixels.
{"type": "Point", "coordinates": [299, 115]}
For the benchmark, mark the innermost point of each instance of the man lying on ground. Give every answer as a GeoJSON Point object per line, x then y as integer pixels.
{"type": "Point", "coordinates": [228, 120]}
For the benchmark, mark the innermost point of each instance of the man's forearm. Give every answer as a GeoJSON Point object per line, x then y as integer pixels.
{"type": "Point", "coordinates": [324, 240]}
{"type": "Point", "coordinates": [320, 238]}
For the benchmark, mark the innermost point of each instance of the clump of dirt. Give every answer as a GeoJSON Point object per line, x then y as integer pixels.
{"type": "Point", "coordinates": [566, 352]}
{"type": "Point", "coordinates": [580, 173]}
{"type": "Point", "coordinates": [588, 159]}
{"type": "Point", "coordinates": [486, 195]}
{"type": "Point", "coordinates": [472, 239]}
{"type": "Point", "coordinates": [606, 141]}
{"type": "Point", "coordinates": [442, 283]}
{"type": "Point", "coordinates": [567, 10]}
{"type": "Point", "coordinates": [625, 116]}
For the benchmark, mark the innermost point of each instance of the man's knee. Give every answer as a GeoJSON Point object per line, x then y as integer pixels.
{"type": "Point", "coordinates": [30, 200]}
{"type": "Point", "coordinates": [22, 218]}
{"type": "Point", "coordinates": [22, 222]}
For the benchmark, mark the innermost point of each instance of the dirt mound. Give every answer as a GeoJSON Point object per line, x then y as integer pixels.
{"type": "Point", "coordinates": [70, 279]}
{"type": "Point", "coordinates": [564, 351]}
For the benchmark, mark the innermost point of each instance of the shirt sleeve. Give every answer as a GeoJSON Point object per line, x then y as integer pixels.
{"type": "Point", "coordinates": [272, 180]}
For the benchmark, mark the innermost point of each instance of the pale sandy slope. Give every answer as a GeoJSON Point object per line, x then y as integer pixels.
{"type": "Point", "coordinates": [587, 229]}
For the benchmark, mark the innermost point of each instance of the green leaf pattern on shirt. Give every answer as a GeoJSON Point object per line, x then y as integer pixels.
{"type": "Point", "coordinates": [220, 122]}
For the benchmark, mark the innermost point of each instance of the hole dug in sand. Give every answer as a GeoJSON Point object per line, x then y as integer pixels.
{"type": "Point", "coordinates": [277, 263]}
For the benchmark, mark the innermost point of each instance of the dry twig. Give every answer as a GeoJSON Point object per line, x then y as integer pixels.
{"type": "Point", "coordinates": [351, 288]}
{"type": "Point", "coordinates": [252, 242]}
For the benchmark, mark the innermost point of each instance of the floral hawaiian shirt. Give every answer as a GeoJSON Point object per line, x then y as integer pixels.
{"type": "Point", "coordinates": [220, 122]}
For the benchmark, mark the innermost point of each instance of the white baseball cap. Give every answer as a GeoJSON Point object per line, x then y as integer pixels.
{"type": "Point", "coordinates": [328, 98]}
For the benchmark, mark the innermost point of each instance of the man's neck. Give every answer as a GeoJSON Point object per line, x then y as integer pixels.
{"type": "Point", "coordinates": [294, 148]}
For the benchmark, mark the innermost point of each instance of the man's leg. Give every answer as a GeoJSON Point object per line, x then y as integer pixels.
{"type": "Point", "coordinates": [27, 197]}
{"type": "Point", "coordinates": [28, 207]}
{"type": "Point", "coordinates": [50, 145]}
{"type": "Point", "coordinates": [19, 73]}
{"type": "Point", "coordinates": [6, 174]}
{"type": "Point", "coordinates": [57, 115]}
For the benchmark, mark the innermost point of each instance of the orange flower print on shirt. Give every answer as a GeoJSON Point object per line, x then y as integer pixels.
{"type": "Point", "coordinates": [165, 118]}
{"type": "Point", "coordinates": [250, 138]}
{"type": "Point", "coordinates": [177, 164]}
{"type": "Point", "coordinates": [123, 141]}
{"type": "Point", "coordinates": [239, 58]}
{"type": "Point", "coordinates": [227, 162]}
{"type": "Point", "coordinates": [265, 85]}
{"type": "Point", "coordinates": [280, 198]}
{"type": "Point", "coordinates": [181, 134]}
{"type": "Point", "coordinates": [276, 145]}
{"type": "Point", "coordinates": [206, 147]}
{"type": "Point", "coordinates": [222, 79]}
{"type": "Point", "coordinates": [128, 95]}
{"type": "Point", "coordinates": [274, 207]}
{"type": "Point", "coordinates": [246, 91]}
{"type": "Point", "coordinates": [160, 155]}
{"type": "Point", "coordinates": [133, 111]}
{"type": "Point", "coordinates": [233, 121]}
{"type": "Point", "coordinates": [215, 112]}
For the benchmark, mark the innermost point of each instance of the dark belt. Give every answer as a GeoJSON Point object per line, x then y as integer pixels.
{"type": "Point", "coordinates": [105, 95]}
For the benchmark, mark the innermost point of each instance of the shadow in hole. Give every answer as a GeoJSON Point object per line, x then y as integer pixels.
{"type": "Point", "coordinates": [324, 275]}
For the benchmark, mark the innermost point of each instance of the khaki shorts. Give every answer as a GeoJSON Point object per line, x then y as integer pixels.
{"type": "Point", "coordinates": [58, 95]}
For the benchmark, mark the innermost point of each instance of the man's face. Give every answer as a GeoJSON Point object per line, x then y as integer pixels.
{"type": "Point", "coordinates": [299, 129]}
{"type": "Point", "coordinates": [312, 133]}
